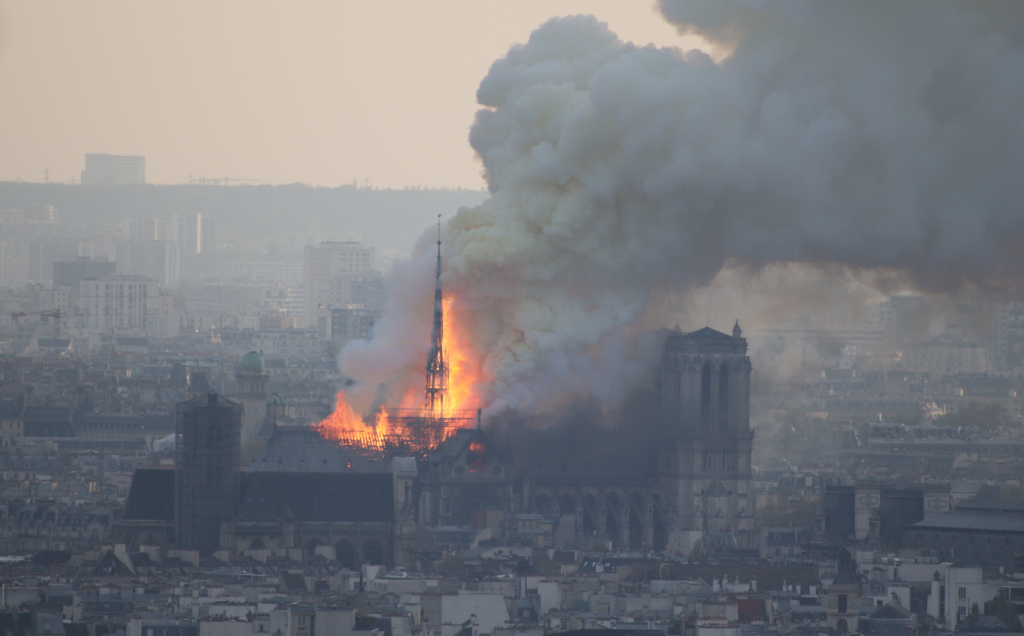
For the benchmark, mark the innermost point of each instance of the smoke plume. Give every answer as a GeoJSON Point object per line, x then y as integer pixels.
{"type": "Point", "coordinates": [866, 135]}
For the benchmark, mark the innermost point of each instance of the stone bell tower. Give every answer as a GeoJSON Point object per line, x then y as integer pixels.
{"type": "Point", "coordinates": [251, 378]}
{"type": "Point", "coordinates": [705, 403]}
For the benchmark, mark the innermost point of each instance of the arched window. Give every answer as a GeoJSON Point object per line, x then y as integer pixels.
{"type": "Point", "coordinates": [312, 545]}
{"type": "Point", "coordinates": [373, 552]}
{"type": "Point", "coordinates": [723, 396]}
{"type": "Point", "coordinates": [345, 554]}
{"type": "Point", "coordinates": [705, 394]}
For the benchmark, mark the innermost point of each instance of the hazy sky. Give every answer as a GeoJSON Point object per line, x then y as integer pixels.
{"type": "Point", "coordinates": [316, 91]}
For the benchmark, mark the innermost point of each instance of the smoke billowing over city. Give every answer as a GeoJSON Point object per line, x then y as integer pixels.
{"type": "Point", "coordinates": [681, 318]}
{"type": "Point", "coordinates": [616, 171]}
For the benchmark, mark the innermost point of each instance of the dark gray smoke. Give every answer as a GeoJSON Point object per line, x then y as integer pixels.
{"type": "Point", "coordinates": [870, 135]}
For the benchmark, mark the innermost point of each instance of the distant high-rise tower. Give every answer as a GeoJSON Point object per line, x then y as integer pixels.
{"type": "Point", "coordinates": [332, 273]}
{"type": "Point", "coordinates": [113, 170]}
{"type": "Point", "coordinates": [206, 469]}
{"type": "Point", "coordinates": [437, 366]}
{"type": "Point", "coordinates": [196, 236]}
{"type": "Point", "coordinates": [156, 260]}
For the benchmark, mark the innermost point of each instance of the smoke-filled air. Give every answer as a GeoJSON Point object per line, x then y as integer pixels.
{"type": "Point", "coordinates": [871, 136]}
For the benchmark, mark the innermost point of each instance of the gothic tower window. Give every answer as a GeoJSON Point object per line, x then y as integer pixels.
{"type": "Point", "coordinates": [705, 391]}
{"type": "Point", "coordinates": [705, 394]}
{"type": "Point", "coordinates": [723, 397]}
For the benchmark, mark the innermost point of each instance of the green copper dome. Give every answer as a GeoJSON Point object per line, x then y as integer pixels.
{"type": "Point", "coordinates": [275, 400]}
{"type": "Point", "coordinates": [252, 362]}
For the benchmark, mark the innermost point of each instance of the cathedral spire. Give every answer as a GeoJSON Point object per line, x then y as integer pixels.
{"type": "Point", "coordinates": [437, 366]}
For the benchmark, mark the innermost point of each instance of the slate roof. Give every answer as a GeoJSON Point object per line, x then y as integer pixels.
{"type": "Point", "coordinates": [1016, 505]}
{"type": "Point", "coordinates": [302, 450]}
{"type": "Point", "coordinates": [139, 422]}
{"type": "Point", "coordinates": [129, 341]}
{"type": "Point", "coordinates": [458, 442]}
{"type": "Point", "coordinates": [612, 632]}
{"type": "Point", "coordinates": [270, 497]}
{"type": "Point", "coordinates": [891, 611]}
{"type": "Point", "coordinates": [151, 496]}
{"type": "Point", "coordinates": [48, 421]}
{"type": "Point", "coordinates": [971, 519]}
{"type": "Point", "coordinates": [110, 565]}
{"type": "Point", "coordinates": [982, 623]}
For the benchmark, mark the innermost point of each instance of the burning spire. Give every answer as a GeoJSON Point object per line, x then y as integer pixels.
{"type": "Point", "coordinates": [449, 387]}
{"type": "Point", "coordinates": [437, 366]}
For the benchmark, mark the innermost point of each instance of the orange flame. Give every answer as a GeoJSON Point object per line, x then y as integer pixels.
{"type": "Point", "coordinates": [465, 374]}
{"type": "Point", "coordinates": [343, 421]}
{"type": "Point", "coordinates": [344, 424]}
{"type": "Point", "coordinates": [382, 424]}
{"type": "Point", "coordinates": [465, 377]}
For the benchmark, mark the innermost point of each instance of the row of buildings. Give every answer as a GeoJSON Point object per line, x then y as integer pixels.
{"type": "Point", "coordinates": [90, 297]}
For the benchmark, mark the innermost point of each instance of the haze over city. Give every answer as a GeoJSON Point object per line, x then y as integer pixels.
{"type": "Point", "coordinates": [320, 92]}
{"type": "Point", "coordinates": [673, 318]}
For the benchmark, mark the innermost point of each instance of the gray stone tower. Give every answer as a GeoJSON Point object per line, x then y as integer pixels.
{"type": "Point", "coordinates": [251, 379]}
{"type": "Point", "coordinates": [705, 402]}
{"type": "Point", "coordinates": [206, 475]}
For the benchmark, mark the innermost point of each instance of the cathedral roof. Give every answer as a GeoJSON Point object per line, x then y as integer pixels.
{"type": "Point", "coordinates": [317, 497]}
{"type": "Point", "coordinates": [294, 449]}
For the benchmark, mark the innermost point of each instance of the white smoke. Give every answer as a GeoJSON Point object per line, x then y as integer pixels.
{"type": "Point", "coordinates": [869, 135]}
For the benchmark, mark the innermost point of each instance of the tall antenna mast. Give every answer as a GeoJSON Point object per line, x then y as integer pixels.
{"type": "Point", "coordinates": [437, 366]}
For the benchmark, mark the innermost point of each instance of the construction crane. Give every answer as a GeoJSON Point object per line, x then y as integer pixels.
{"type": "Point", "coordinates": [43, 316]}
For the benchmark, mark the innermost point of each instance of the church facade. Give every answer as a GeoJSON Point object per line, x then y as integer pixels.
{"type": "Point", "coordinates": [693, 485]}
{"type": "Point", "coordinates": [705, 396]}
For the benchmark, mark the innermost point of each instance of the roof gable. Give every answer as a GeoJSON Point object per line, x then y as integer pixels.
{"type": "Point", "coordinates": [891, 611]}
{"type": "Point", "coordinates": [151, 496]}
{"type": "Point", "coordinates": [708, 333]}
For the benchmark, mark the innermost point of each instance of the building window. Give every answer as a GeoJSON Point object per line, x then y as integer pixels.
{"type": "Point", "coordinates": [723, 397]}
{"type": "Point", "coordinates": [961, 592]}
{"type": "Point", "coordinates": [705, 394]}
{"type": "Point", "coordinates": [842, 603]}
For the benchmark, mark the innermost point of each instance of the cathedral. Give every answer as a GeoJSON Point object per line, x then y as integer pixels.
{"type": "Point", "coordinates": [684, 488]}
{"type": "Point", "coordinates": [693, 485]}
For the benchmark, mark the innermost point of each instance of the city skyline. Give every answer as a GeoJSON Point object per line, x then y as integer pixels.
{"type": "Point", "coordinates": [263, 93]}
